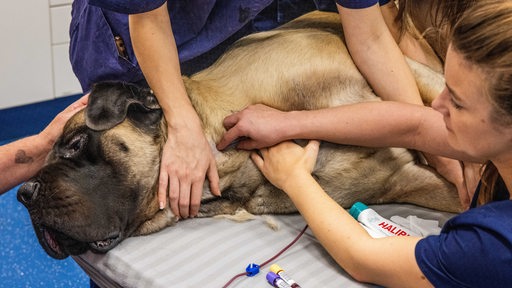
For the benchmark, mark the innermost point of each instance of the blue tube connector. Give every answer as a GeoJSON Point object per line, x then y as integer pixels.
{"type": "Point", "coordinates": [252, 269]}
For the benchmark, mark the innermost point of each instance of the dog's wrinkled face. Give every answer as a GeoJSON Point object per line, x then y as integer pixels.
{"type": "Point", "coordinates": [99, 182]}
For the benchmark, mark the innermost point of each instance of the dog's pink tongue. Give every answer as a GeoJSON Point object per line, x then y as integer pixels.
{"type": "Point", "coordinates": [51, 242]}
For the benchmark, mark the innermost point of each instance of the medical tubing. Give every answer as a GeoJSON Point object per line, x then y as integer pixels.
{"type": "Point", "coordinates": [271, 259]}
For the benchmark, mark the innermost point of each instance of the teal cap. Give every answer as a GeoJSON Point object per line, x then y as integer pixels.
{"type": "Point", "coordinates": [356, 209]}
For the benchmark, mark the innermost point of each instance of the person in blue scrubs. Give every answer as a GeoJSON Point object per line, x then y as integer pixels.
{"type": "Point", "coordinates": [471, 120]}
{"type": "Point", "coordinates": [154, 42]}
{"type": "Point", "coordinates": [22, 159]}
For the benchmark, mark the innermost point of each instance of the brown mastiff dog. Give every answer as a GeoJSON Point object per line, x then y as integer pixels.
{"type": "Point", "coordinates": [99, 184]}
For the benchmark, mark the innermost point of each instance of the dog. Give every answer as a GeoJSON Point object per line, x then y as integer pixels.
{"type": "Point", "coordinates": [99, 183]}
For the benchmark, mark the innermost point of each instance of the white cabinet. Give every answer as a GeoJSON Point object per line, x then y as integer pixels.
{"type": "Point", "coordinates": [60, 17]}
{"type": "Point", "coordinates": [60, 2]}
{"type": "Point", "coordinates": [64, 81]}
{"type": "Point", "coordinates": [25, 53]}
{"type": "Point", "coordinates": [34, 65]}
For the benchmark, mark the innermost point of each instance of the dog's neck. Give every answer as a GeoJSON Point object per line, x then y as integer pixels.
{"type": "Point", "coordinates": [206, 98]}
{"type": "Point", "coordinates": [209, 137]}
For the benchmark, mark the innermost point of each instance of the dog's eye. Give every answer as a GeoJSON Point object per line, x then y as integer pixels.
{"type": "Point", "coordinates": [74, 146]}
{"type": "Point", "coordinates": [123, 147]}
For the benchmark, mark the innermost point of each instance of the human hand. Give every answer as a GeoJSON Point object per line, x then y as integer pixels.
{"type": "Point", "coordinates": [286, 162]}
{"type": "Point", "coordinates": [54, 129]}
{"type": "Point", "coordinates": [186, 159]}
{"type": "Point", "coordinates": [256, 126]}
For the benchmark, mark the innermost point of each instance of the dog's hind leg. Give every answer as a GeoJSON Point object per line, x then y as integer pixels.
{"type": "Point", "coordinates": [418, 184]}
{"type": "Point", "coordinates": [267, 199]}
{"type": "Point", "coordinates": [218, 206]}
{"type": "Point", "coordinates": [241, 215]}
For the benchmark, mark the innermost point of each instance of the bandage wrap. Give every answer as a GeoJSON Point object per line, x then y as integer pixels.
{"type": "Point", "coordinates": [359, 4]}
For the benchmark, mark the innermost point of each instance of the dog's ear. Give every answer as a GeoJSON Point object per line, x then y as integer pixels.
{"type": "Point", "coordinates": [110, 103]}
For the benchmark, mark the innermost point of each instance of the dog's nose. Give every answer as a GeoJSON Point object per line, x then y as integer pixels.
{"type": "Point", "coordinates": [28, 191]}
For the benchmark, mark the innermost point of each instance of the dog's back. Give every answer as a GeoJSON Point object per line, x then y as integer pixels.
{"type": "Point", "coordinates": [299, 66]}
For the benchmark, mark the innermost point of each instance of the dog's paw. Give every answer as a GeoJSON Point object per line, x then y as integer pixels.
{"type": "Point", "coordinates": [241, 215]}
{"type": "Point", "coordinates": [271, 222]}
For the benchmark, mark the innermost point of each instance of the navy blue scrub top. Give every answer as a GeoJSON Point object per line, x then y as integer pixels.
{"type": "Point", "coordinates": [474, 248]}
{"type": "Point", "coordinates": [101, 48]}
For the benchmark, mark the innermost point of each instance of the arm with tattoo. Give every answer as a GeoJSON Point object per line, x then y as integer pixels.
{"type": "Point", "coordinates": [21, 159]}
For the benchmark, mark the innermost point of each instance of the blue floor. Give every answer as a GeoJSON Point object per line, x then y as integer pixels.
{"type": "Point", "coordinates": [23, 263]}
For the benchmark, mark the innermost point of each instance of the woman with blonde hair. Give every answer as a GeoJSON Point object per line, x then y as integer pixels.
{"type": "Point", "coordinates": [470, 120]}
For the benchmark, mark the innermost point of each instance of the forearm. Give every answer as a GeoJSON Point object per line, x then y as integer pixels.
{"type": "Point", "coordinates": [374, 124]}
{"type": "Point", "coordinates": [338, 232]}
{"type": "Point", "coordinates": [156, 51]}
{"type": "Point", "coordinates": [377, 55]}
{"type": "Point", "coordinates": [186, 155]}
{"type": "Point", "coordinates": [410, 42]}
{"type": "Point", "coordinates": [389, 261]}
{"type": "Point", "coordinates": [21, 160]}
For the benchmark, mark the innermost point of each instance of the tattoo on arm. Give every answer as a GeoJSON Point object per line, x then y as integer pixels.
{"type": "Point", "coordinates": [22, 157]}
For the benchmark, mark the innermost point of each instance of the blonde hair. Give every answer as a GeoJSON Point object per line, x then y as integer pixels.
{"type": "Point", "coordinates": [483, 37]}
{"type": "Point", "coordinates": [442, 16]}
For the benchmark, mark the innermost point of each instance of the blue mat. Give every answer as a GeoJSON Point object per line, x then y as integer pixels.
{"type": "Point", "coordinates": [30, 119]}
{"type": "Point", "coordinates": [23, 263]}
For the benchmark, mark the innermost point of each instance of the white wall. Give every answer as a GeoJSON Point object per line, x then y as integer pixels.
{"type": "Point", "coordinates": [34, 63]}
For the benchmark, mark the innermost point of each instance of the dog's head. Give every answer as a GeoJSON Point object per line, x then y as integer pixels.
{"type": "Point", "coordinates": [99, 183]}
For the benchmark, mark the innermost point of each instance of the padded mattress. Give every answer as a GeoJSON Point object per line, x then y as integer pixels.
{"type": "Point", "coordinates": [208, 252]}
